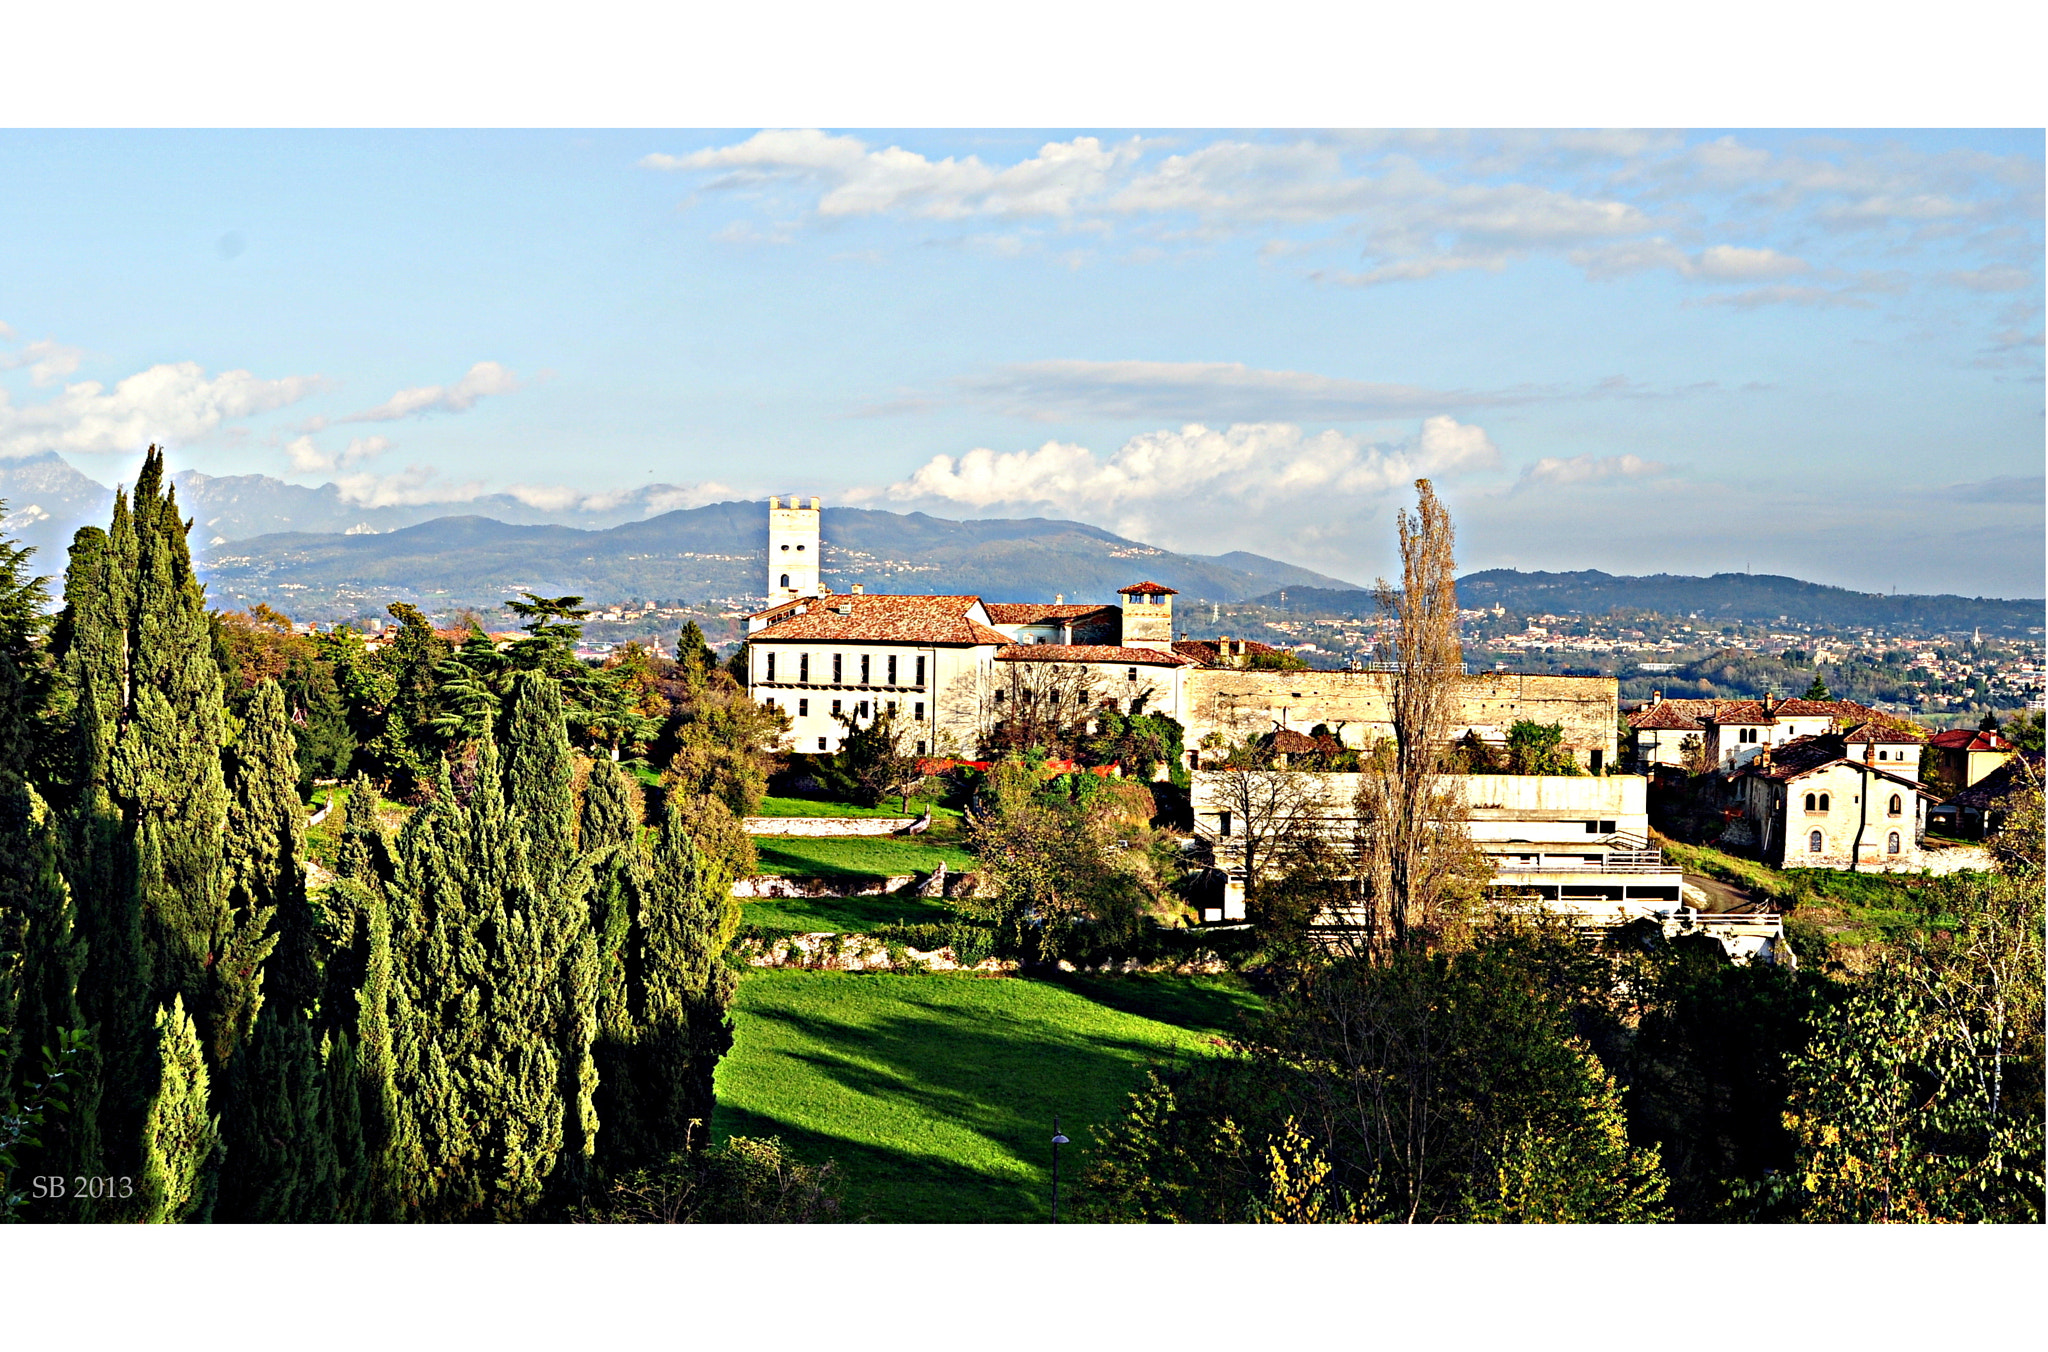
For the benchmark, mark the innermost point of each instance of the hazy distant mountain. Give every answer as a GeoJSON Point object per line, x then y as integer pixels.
{"type": "Point", "coordinates": [1731, 596]}
{"type": "Point", "coordinates": [47, 500]}
{"type": "Point", "coordinates": [714, 553]}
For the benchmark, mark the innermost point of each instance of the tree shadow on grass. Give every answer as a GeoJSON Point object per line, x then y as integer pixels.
{"type": "Point", "coordinates": [1211, 1006]}
{"type": "Point", "coordinates": [937, 1110]}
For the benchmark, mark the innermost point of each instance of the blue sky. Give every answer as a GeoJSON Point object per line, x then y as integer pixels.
{"type": "Point", "coordinates": [1810, 353]}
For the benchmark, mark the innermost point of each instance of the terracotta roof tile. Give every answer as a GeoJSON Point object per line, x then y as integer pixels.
{"type": "Point", "coordinates": [1290, 742]}
{"type": "Point", "coordinates": [879, 619]}
{"type": "Point", "coordinates": [1147, 589]}
{"type": "Point", "coordinates": [1802, 756]}
{"type": "Point", "coordinates": [1090, 652]}
{"type": "Point", "coordinates": [1664, 714]}
{"type": "Point", "coordinates": [1024, 612]}
{"type": "Point", "coordinates": [1969, 739]}
{"type": "Point", "coordinates": [1888, 733]}
{"type": "Point", "coordinates": [2018, 773]}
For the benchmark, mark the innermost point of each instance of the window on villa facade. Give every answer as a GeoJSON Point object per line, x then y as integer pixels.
{"type": "Point", "coordinates": [835, 708]}
{"type": "Point", "coordinates": [1897, 805]}
{"type": "Point", "coordinates": [821, 744]}
{"type": "Point", "coordinates": [1813, 843]}
{"type": "Point", "coordinates": [920, 748]}
{"type": "Point", "coordinates": [1131, 674]}
{"type": "Point", "coordinates": [917, 711]}
{"type": "Point", "coordinates": [838, 669]}
{"type": "Point", "coordinates": [864, 661]}
{"type": "Point", "coordinates": [892, 668]}
{"type": "Point", "coordinates": [803, 708]}
{"type": "Point", "coordinates": [920, 672]}
{"type": "Point", "coordinates": [785, 576]}
{"type": "Point", "coordinates": [771, 668]}
{"type": "Point", "coordinates": [1224, 818]}
{"type": "Point", "coordinates": [1891, 843]}
{"type": "Point", "coordinates": [803, 668]}
{"type": "Point", "coordinates": [860, 710]}
{"type": "Point", "coordinates": [892, 706]}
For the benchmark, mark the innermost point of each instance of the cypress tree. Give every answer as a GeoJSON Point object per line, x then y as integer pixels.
{"type": "Point", "coordinates": [42, 955]}
{"type": "Point", "coordinates": [90, 647]}
{"type": "Point", "coordinates": [685, 986]}
{"type": "Point", "coordinates": [539, 772]}
{"type": "Point", "coordinates": [167, 756]}
{"type": "Point", "coordinates": [179, 1139]}
{"type": "Point", "coordinates": [282, 1159]}
{"type": "Point", "coordinates": [610, 835]}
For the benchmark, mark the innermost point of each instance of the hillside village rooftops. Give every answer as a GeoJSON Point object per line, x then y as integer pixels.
{"type": "Point", "coordinates": [2018, 773]}
{"type": "Point", "coordinates": [1693, 715]}
{"type": "Point", "coordinates": [860, 618]}
{"type": "Point", "coordinates": [1147, 589]}
{"type": "Point", "coordinates": [1888, 734]}
{"type": "Point", "coordinates": [1090, 652]}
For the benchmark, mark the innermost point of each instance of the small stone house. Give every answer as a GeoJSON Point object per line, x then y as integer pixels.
{"type": "Point", "coordinates": [1839, 801]}
{"type": "Point", "coordinates": [1962, 757]}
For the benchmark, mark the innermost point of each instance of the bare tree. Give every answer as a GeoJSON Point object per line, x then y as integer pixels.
{"type": "Point", "coordinates": [1415, 853]}
{"type": "Point", "coordinates": [1278, 821]}
{"type": "Point", "coordinates": [1019, 705]}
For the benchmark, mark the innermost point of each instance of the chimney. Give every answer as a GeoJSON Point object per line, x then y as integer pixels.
{"type": "Point", "coordinates": [1656, 698]}
{"type": "Point", "coordinates": [814, 504]}
{"type": "Point", "coordinates": [774, 503]}
{"type": "Point", "coordinates": [858, 589]}
{"type": "Point", "coordinates": [1059, 598]}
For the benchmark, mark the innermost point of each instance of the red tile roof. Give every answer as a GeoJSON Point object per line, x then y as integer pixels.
{"type": "Point", "coordinates": [1090, 652]}
{"type": "Point", "coordinates": [1664, 714]}
{"type": "Point", "coordinates": [1147, 589]}
{"type": "Point", "coordinates": [879, 619]}
{"type": "Point", "coordinates": [1803, 756]}
{"type": "Point", "coordinates": [2021, 772]}
{"type": "Point", "coordinates": [1025, 612]}
{"type": "Point", "coordinates": [1969, 739]}
{"type": "Point", "coordinates": [1887, 733]}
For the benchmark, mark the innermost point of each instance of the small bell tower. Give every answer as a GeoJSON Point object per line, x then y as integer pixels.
{"type": "Point", "coordinates": [1148, 616]}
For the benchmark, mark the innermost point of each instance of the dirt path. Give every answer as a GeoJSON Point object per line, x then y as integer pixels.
{"type": "Point", "coordinates": [1721, 896]}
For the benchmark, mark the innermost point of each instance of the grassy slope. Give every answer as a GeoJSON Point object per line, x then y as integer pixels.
{"type": "Point", "coordinates": [870, 857]}
{"type": "Point", "coordinates": [1853, 909]}
{"type": "Point", "coordinates": [772, 806]}
{"type": "Point", "coordinates": [845, 915]}
{"type": "Point", "coordinates": [936, 1093]}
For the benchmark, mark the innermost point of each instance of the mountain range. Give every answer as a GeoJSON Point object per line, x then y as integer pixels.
{"type": "Point", "coordinates": [1760, 597]}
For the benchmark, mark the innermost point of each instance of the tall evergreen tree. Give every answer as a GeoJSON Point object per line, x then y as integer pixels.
{"type": "Point", "coordinates": [610, 836]}
{"type": "Point", "coordinates": [282, 1161]}
{"type": "Point", "coordinates": [538, 775]}
{"type": "Point", "coordinates": [684, 986]}
{"type": "Point", "coordinates": [180, 1137]}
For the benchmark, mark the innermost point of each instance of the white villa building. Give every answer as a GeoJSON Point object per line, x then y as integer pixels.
{"type": "Point", "coordinates": [818, 656]}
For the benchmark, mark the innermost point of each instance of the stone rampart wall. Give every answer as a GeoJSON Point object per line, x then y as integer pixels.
{"type": "Point", "coordinates": [829, 826]}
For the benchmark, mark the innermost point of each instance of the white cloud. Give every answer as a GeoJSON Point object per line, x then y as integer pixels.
{"type": "Point", "coordinates": [410, 487]}
{"type": "Point", "coordinates": [48, 361]}
{"type": "Point", "coordinates": [1994, 279]}
{"type": "Point", "coordinates": [1817, 296]}
{"type": "Point", "coordinates": [484, 378]}
{"type": "Point", "coordinates": [307, 458]}
{"type": "Point", "coordinates": [170, 402]}
{"type": "Point", "coordinates": [1584, 469]}
{"type": "Point", "coordinates": [857, 181]}
{"type": "Point", "coordinates": [1265, 465]}
{"type": "Point", "coordinates": [1218, 390]}
{"type": "Point", "coordinates": [1718, 263]}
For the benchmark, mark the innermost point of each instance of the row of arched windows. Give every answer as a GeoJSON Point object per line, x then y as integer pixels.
{"type": "Point", "coordinates": [1818, 802]}
{"type": "Point", "coordinates": [1815, 843]}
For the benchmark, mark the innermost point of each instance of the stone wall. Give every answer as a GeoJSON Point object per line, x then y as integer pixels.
{"type": "Point", "coordinates": [1239, 704]}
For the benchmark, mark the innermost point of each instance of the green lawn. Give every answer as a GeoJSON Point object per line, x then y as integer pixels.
{"type": "Point", "coordinates": [771, 806]}
{"type": "Point", "coordinates": [936, 1094]}
{"type": "Point", "coordinates": [872, 857]}
{"type": "Point", "coordinates": [844, 915]}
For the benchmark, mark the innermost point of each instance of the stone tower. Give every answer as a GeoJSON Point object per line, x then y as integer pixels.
{"type": "Point", "coordinates": [1148, 616]}
{"type": "Point", "coordinates": [792, 550]}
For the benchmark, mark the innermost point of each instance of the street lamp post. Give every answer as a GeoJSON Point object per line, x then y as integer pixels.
{"type": "Point", "coordinates": [1057, 1141]}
